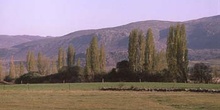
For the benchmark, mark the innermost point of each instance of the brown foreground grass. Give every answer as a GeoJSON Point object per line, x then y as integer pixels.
{"type": "Point", "coordinates": [106, 100]}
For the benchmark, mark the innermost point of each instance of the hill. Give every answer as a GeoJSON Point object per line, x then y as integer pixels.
{"type": "Point", "coordinates": [7, 41]}
{"type": "Point", "coordinates": [203, 40]}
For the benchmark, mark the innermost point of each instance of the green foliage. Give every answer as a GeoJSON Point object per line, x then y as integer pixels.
{"type": "Point", "coordinates": [53, 67]}
{"type": "Point", "coordinates": [102, 59]}
{"type": "Point", "coordinates": [28, 60]}
{"type": "Point", "coordinates": [31, 77]}
{"type": "Point", "coordinates": [177, 53]}
{"type": "Point", "coordinates": [182, 54]}
{"type": "Point", "coordinates": [94, 54]}
{"type": "Point", "coordinates": [70, 56]}
{"type": "Point", "coordinates": [150, 52]}
{"type": "Point", "coordinates": [88, 63]}
{"type": "Point", "coordinates": [21, 70]}
{"type": "Point", "coordinates": [160, 61]}
{"type": "Point", "coordinates": [72, 74]}
{"type": "Point", "coordinates": [142, 45]}
{"type": "Point", "coordinates": [40, 64]}
{"type": "Point", "coordinates": [95, 59]}
{"type": "Point", "coordinates": [12, 74]}
{"type": "Point", "coordinates": [31, 65]}
{"type": "Point", "coordinates": [60, 62]}
{"type": "Point", "coordinates": [136, 51]}
{"type": "Point", "coordinates": [43, 64]}
{"type": "Point", "coordinates": [201, 73]}
{"type": "Point", "coordinates": [133, 50]}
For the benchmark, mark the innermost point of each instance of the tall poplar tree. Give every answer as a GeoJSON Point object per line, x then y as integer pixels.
{"type": "Point", "coordinates": [70, 56]}
{"type": "Point", "coordinates": [40, 64]}
{"type": "Point", "coordinates": [160, 61]}
{"type": "Point", "coordinates": [28, 60]}
{"type": "Point", "coordinates": [60, 62]}
{"type": "Point", "coordinates": [53, 66]}
{"type": "Point", "coordinates": [12, 69]}
{"type": "Point", "coordinates": [64, 58]}
{"type": "Point", "coordinates": [21, 70]}
{"type": "Point", "coordinates": [177, 53]}
{"type": "Point", "coordinates": [31, 65]}
{"type": "Point", "coordinates": [1, 70]}
{"type": "Point", "coordinates": [133, 50]}
{"type": "Point", "coordinates": [94, 54]}
{"type": "Point", "coordinates": [182, 54]}
{"type": "Point", "coordinates": [102, 59]}
{"type": "Point", "coordinates": [171, 53]}
{"type": "Point", "coordinates": [142, 45]}
{"type": "Point", "coordinates": [150, 52]}
{"type": "Point", "coordinates": [88, 68]}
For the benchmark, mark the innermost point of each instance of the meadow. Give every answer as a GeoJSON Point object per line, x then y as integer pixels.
{"type": "Point", "coordinates": [87, 96]}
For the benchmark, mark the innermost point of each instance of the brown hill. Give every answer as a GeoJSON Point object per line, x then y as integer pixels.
{"type": "Point", "coordinates": [203, 37]}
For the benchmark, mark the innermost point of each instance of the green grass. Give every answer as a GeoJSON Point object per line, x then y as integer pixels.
{"type": "Point", "coordinates": [86, 96]}
{"type": "Point", "coordinates": [96, 86]}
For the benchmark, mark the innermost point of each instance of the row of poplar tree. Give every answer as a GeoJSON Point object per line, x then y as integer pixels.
{"type": "Point", "coordinates": [95, 62]}
{"type": "Point", "coordinates": [95, 59]}
{"type": "Point", "coordinates": [143, 56]}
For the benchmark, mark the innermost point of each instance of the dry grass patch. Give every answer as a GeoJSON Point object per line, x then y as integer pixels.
{"type": "Point", "coordinates": [106, 100]}
{"type": "Point", "coordinates": [86, 96]}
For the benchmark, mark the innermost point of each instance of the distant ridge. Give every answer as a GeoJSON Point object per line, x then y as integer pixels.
{"type": "Point", "coordinates": [203, 40]}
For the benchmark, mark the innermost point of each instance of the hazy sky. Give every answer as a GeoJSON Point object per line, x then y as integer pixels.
{"type": "Point", "coordinates": [60, 17]}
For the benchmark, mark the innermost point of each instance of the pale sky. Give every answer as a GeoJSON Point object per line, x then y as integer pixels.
{"type": "Point", "coordinates": [60, 17]}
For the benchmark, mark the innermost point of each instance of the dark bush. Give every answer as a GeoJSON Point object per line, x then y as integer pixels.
{"type": "Point", "coordinates": [31, 77]}
{"type": "Point", "coordinates": [201, 73]}
{"type": "Point", "coordinates": [9, 79]}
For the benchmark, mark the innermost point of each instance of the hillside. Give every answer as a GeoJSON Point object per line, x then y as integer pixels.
{"type": "Point", "coordinates": [7, 41]}
{"type": "Point", "coordinates": [203, 40]}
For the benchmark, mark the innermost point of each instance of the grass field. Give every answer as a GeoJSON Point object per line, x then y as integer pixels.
{"type": "Point", "coordinates": [86, 96]}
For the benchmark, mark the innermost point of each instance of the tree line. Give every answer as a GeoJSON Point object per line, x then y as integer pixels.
{"type": "Point", "coordinates": [145, 62]}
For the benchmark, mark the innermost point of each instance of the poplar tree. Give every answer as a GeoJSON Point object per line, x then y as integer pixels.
{"type": "Point", "coordinates": [32, 64]}
{"type": "Point", "coordinates": [133, 50]}
{"type": "Point", "coordinates": [150, 52]}
{"type": "Point", "coordinates": [177, 53]}
{"type": "Point", "coordinates": [102, 59]}
{"type": "Point", "coordinates": [94, 54]}
{"type": "Point", "coordinates": [28, 60]}
{"type": "Point", "coordinates": [171, 53]}
{"type": "Point", "coordinates": [182, 54]}
{"type": "Point", "coordinates": [12, 69]}
{"type": "Point", "coordinates": [160, 61]}
{"type": "Point", "coordinates": [1, 71]}
{"type": "Point", "coordinates": [70, 56]}
{"type": "Point", "coordinates": [64, 58]}
{"type": "Point", "coordinates": [46, 66]}
{"type": "Point", "coordinates": [88, 68]}
{"type": "Point", "coordinates": [21, 70]}
{"type": "Point", "coordinates": [142, 45]}
{"type": "Point", "coordinates": [43, 64]}
{"type": "Point", "coordinates": [60, 62]}
{"type": "Point", "coordinates": [40, 64]}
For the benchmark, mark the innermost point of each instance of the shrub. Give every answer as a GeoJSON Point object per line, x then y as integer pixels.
{"type": "Point", "coordinates": [201, 73]}
{"type": "Point", "coordinates": [32, 77]}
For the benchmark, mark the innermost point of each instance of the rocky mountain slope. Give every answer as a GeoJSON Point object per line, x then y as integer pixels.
{"type": "Point", "coordinates": [203, 37]}
{"type": "Point", "coordinates": [7, 41]}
